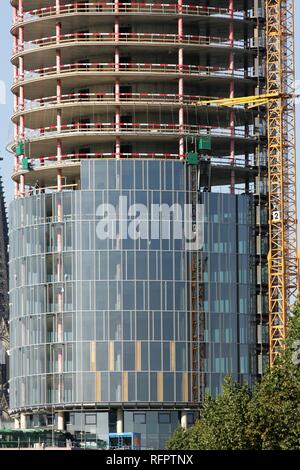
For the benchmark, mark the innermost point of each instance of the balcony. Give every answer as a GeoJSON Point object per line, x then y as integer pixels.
{"type": "Point", "coordinates": [128, 39]}
{"type": "Point", "coordinates": [131, 128]}
{"type": "Point", "coordinates": [134, 8]}
{"type": "Point", "coordinates": [129, 68]}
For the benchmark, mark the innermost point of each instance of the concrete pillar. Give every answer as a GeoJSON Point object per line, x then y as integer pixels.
{"type": "Point", "coordinates": [61, 421]}
{"type": "Point", "coordinates": [117, 84]}
{"type": "Point", "coordinates": [23, 421]}
{"type": "Point", "coordinates": [184, 423]}
{"type": "Point", "coordinates": [232, 94]}
{"type": "Point", "coordinates": [22, 185]}
{"type": "Point", "coordinates": [16, 423]}
{"type": "Point", "coordinates": [120, 421]}
{"type": "Point", "coordinates": [180, 81]}
{"type": "Point", "coordinates": [57, 4]}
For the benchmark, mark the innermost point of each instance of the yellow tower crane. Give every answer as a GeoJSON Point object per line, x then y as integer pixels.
{"type": "Point", "coordinates": [280, 102]}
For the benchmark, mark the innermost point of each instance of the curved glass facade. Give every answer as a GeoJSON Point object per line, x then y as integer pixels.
{"type": "Point", "coordinates": [109, 321]}
{"type": "Point", "coordinates": [124, 317]}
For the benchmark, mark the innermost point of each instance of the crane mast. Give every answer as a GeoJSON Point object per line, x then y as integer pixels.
{"type": "Point", "coordinates": [280, 102]}
{"type": "Point", "coordinates": [283, 269]}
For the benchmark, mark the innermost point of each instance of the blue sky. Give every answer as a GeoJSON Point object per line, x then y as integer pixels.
{"type": "Point", "coordinates": [5, 109]}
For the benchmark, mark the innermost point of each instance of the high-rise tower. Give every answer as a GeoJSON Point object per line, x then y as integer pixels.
{"type": "Point", "coordinates": [128, 333]}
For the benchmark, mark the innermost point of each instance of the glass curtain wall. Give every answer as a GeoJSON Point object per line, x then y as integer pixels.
{"type": "Point", "coordinates": [126, 303]}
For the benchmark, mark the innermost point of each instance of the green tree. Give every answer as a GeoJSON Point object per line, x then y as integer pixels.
{"type": "Point", "coordinates": [266, 419]}
{"type": "Point", "coordinates": [179, 440]}
{"type": "Point", "coordinates": [223, 420]}
{"type": "Point", "coordinates": [221, 425]}
{"type": "Point", "coordinates": [274, 411]}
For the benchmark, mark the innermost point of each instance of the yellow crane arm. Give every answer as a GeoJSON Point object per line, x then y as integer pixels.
{"type": "Point", "coordinates": [252, 101]}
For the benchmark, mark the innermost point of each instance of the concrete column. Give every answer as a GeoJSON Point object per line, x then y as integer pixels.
{"type": "Point", "coordinates": [20, 7]}
{"type": "Point", "coordinates": [22, 185]}
{"type": "Point", "coordinates": [16, 423]}
{"type": "Point", "coordinates": [15, 14]}
{"type": "Point", "coordinates": [16, 108]}
{"type": "Point", "coordinates": [21, 103]}
{"type": "Point", "coordinates": [117, 83]}
{"type": "Point", "coordinates": [58, 100]}
{"type": "Point", "coordinates": [60, 298]}
{"type": "Point", "coordinates": [20, 72]}
{"type": "Point", "coordinates": [23, 421]}
{"type": "Point", "coordinates": [60, 421]}
{"type": "Point", "coordinates": [180, 81]}
{"type": "Point", "coordinates": [232, 113]}
{"type": "Point", "coordinates": [184, 423]}
{"type": "Point", "coordinates": [59, 150]}
{"type": "Point", "coordinates": [120, 421]}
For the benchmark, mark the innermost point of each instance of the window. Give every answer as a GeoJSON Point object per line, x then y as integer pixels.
{"type": "Point", "coordinates": [125, 29]}
{"type": "Point", "coordinates": [83, 121]}
{"type": "Point", "coordinates": [125, 91]}
{"type": "Point", "coordinates": [101, 356]}
{"type": "Point", "coordinates": [50, 420]}
{"type": "Point", "coordinates": [139, 418]}
{"type": "Point", "coordinates": [83, 151]}
{"type": "Point", "coordinates": [129, 355]}
{"type": "Point", "coordinates": [142, 325]}
{"type": "Point", "coordinates": [155, 355]}
{"type": "Point", "coordinates": [126, 149]}
{"type": "Point", "coordinates": [36, 421]}
{"type": "Point", "coordinates": [115, 325]}
{"type": "Point", "coordinates": [191, 418]}
{"type": "Point", "coordinates": [90, 419]}
{"type": "Point", "coordinates": [83, 92]}
{"type": "Point", "coordinates": [126, 122]}
{"type": "Point", "coordinates": [164, 418]}
{"type": "Point", "coordinates": [125, 59]}
{"type": "Point", "coordinates": [69, 418]}
{"type": "Point", "coordinates": [142, 387]}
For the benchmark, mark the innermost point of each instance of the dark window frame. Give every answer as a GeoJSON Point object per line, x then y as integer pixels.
{"type": "Point", "coordinates": [89, 416]}
{"type": "Point", "coordinates": [135, 415]}
{"type": "Point", "coordinates": [163, 415]}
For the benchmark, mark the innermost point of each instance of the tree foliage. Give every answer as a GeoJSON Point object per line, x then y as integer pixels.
{"type": "Point", "coordinates": [274, 411]}
{"type": "Point", "coordinates": [267, 418]}
{"type": "Point", "coordinates": [180, 440]}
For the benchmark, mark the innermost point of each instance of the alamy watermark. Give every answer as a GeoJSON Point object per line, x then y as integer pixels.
{"type": "Point", "coordinates": [151, 222]}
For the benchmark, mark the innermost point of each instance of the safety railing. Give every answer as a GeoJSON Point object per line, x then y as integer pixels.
{"type": "Point", "coordinates": [123, 8]}
{"type": "Point", "coordinates": [128, 38]}
{"type": "Point", "coordinates": [125, 127]}
{"type": "Point", "coordinates": [106, 98]}
{"type": "Point", "coordinates": [131, 68]}
{"type": "Point", "coordinates": [49, 189]}
{"type": "Point", "coordinates": [73, 158]}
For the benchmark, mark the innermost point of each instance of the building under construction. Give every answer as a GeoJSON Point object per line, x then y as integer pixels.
{"type": "Point", "coordinates": [117, 100]}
